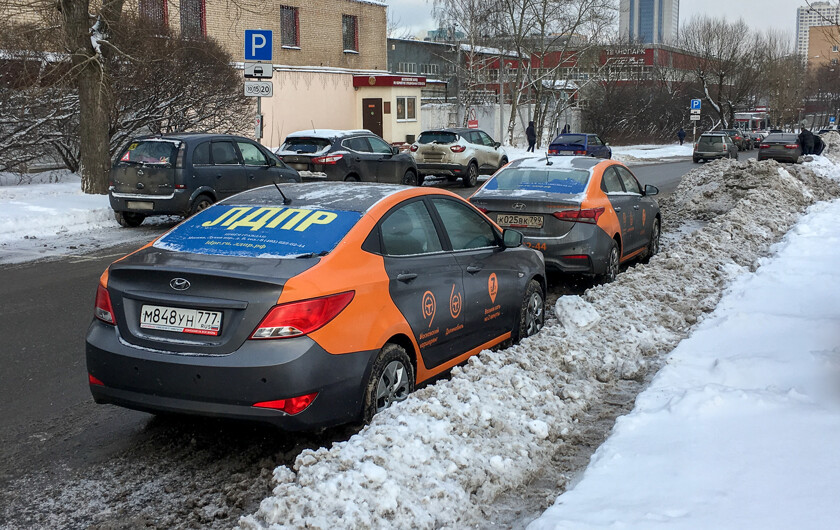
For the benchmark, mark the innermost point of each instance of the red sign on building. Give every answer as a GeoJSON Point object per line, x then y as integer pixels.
{"type": "Point", "coordinates": [388, 80]}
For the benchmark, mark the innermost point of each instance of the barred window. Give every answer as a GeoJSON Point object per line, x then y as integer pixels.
{"type": "Point", "coordinates": [154, 11]}
{"type": "Point", "coordinates": [289, 26]}
{"type": "Point", "coordinates": [350, 33]}
{"type": "Point", "coordinates": [193, 19]}
{"type": "Point", "coordinates": [407, 68]}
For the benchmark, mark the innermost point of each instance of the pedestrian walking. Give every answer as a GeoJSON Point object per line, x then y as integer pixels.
{"type": "Point", "coordinates": [681, 135]}
{"type": "Point", "coordinates": [806, 141]}
{"type": "Point", "coordinates": [567, 129]}
{"type": "Point", "coordinates": [531, 134]}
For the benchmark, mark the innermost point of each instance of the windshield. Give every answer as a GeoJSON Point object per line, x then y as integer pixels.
{"type": "Point", "coordinates": [570, 139]}
{"type": "Point", "coordinates": [261, 231]}
{"type": "Point", "coordinates": [304, 144]}
{"type": "Point", "coordinates": [566, 181]}
{"type": "Point", "coordinates": [151, 152]}
{"type": "Point", "coordinates": [437, 137]}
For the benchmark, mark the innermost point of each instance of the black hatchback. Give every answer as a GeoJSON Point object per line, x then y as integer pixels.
{"type": "Point", "coordinates": [181, 174]}
{"type": "Point", "coordinates": [351, 156]}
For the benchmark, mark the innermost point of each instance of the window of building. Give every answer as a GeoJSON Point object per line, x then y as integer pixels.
{"type": "Point", "coordinates": [407, 68]}
{"type": "Point", "coordinates": [835, 48]}
{"type": "Point", "coordinates": [350, 33]}
{"type": "Point", "coordinates": [406, 109]}
{"type": "Point", "coordinates": [193, 19]}
{"type": "Point", "coordinates": [289, 27]}
{"type": "Point", "coordinates": [154, 11]}
{"type": "Point", "coordinates": [834, 61]}
{"type": "Point", "coordinates": [429, 69]}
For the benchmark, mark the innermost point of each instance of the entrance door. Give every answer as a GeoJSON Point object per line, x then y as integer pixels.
{"type": "Point", "coordinates": [372, 115]}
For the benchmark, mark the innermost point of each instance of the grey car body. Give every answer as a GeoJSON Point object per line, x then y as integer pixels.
{"type": "Point", "coordinates": [783, 147]}
{"type": "Point", "coordinates": [458, 152]}
{"type": "Point", "coordinates": [711, 146]}
{"type": "Point", "coordinates": [348, 155]}
{"type": "Point", "coordinates": [558, 193]}
{"type": "Point", "coordinates": [179, 174]}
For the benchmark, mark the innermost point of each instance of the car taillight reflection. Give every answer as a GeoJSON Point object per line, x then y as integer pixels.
{"type": "Point", "coordinates": [457, 148]}
{"type": "Point", "coordinates": [329, 159]}
{"type": "Point", "coordinates": [413, 148]}
{"type": "Point", "coordinates": [296, 319]}
{"type": "Point", "coordinates": [791, 146]}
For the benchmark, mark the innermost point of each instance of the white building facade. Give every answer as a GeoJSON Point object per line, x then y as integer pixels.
{"type": "Point", "coordinates": [649, 21]}
{"type": "Point", "coordinates": [818, 14]}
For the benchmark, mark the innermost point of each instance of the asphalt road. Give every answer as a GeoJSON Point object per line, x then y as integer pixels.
{"type": "Point", "coordinates": [49, 419]}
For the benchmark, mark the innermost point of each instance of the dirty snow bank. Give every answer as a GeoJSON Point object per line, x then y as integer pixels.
{"type": "Point", "coordinates": [436, 459]}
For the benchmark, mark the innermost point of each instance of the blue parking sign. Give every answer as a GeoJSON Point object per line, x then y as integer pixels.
{"type": "Point", "coordinates": [258, 45]}
{"type": "Point", "coordinates": [695, 104]}
{"type": "Point", "coordinates": [831, 119]}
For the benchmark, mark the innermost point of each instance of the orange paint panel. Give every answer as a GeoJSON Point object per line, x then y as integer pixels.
{"type": "Point", "coordinates": [423, 373]}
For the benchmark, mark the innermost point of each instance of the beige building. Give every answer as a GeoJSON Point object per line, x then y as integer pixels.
{"type": "Point", "coordinates": [824, 46]}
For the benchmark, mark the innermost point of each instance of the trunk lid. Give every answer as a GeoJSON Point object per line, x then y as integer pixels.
{"type": "Point", "coordinates": [148, 167]}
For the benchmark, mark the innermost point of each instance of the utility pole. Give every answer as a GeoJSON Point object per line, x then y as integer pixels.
{"type": "Point", "coordinates": [501, 97]}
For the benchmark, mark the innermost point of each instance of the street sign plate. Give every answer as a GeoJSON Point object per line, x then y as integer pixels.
{"type": "Point", "coordinates": [695, 117]}
{"type": "Point", "coordinates": [695, 103]}
{"type": "Point", "coordinates": [695, 111]}
{"type": "Point", "coordinates": [259, 70]}
{"type": "Point", "coordinates": [258, 45]}
{"type": "Point", "coordinates": [260, 89]}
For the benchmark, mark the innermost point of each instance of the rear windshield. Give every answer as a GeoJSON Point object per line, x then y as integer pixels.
{"type": "Point", "coordinates": [303, 145]}
{"type": "Point", "coordinates": [776, 137]}
{"type": "Point", "coordinates": [567, 181]}
{"type": "Point", "coordinates": [261, 231]}
{"type": "Point", "coordinates": [152, 152]}
{"type": "Point", "coordinates": [570, 139]}
{"type": "Point", "coordinates": [706, 141]}
{"type": "Point", "coordinates": [437, 137]}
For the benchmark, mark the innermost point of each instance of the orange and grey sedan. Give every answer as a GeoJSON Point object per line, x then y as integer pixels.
{"type": "Point", "coordinates": [586, 216]}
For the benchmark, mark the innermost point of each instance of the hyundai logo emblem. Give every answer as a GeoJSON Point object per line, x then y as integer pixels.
{"type": "Point", "coordinates": [179, 284]}
{"type": "Point", "coordinates": [518, 206]}
{"type": "Point", "coordinates": [139, 172]}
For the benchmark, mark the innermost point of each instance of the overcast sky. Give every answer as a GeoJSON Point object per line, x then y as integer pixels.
{"type": "Point", "coordinates": [759, 14]}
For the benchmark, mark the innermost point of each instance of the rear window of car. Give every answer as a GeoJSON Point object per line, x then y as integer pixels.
{"type": "Point", "coordinates": [561, 180]}
{"type": "Point", "coordinates": [151, 152]}
{"type": "Point", "coordinates": [570, 139]}
{"type": "Point", "coordinates": [304, 145]}
{"type": "Point", "coordinates": [437, 137]}
{"type": "Point", "coordinates": [260, 231]}
{"type": "Point", "coordinates": [782, 138]}
{"type": "Point", "coordinates": [707, 141]}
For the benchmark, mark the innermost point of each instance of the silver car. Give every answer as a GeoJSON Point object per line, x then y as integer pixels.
{"type": "Point", "coordinates": [711, 146]}
{"type": "Point", "coordinates": [458, 153]}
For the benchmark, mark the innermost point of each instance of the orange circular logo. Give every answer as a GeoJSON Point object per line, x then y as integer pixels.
{"type": "Point", "coordinates": [371, 80]}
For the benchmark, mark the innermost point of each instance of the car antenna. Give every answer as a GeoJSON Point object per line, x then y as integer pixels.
{"type": "Point", "coordinates": [313, 125]}
{"type": "Point", "coordinates": [547, 161]}
{"type": "Point", "coordinates": [286, 200]}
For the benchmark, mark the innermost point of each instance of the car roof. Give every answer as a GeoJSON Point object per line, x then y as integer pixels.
{"type": "Point", "coordinates": [556, 162]}
{"type": "Point", "coordinates": [714, 134]}
{"type": "Point", "coordinates": [189, 135]}
{"type": "Point", "coordinates": [456, 130]}
{"type": "Point", "coordinates": [328, 133]}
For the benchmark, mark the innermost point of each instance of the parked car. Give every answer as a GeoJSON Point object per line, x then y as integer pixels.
{"type": "Point", "coordinates": [183, 173]}
{"type": "Point", "coordinates": [738, 138]}
{"type": "Point", "coordinates": [458, 153]}
{"type": "Point", "coordinates": [755, 138]}
{"type": "Point", "coordinates": [320, 306]}
{"type": "Point", "coordinates": [583, 144]}
{"type": "Point", "coordinates": [714, 145]}
{"type": "Point", "coordinates": [783, 147]}
{"type": "Point", "coordinates": [585, 215]}
{"type": "Point", "coordinates": [354, 155]}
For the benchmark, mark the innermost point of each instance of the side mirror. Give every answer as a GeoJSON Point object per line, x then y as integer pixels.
{"type": "Point", "coordinates": [651, 190]}
{"type": "Point", "coordinates": [607, 144]}
{"type": "Point", "coordinates": [512, 238]}
{"type": "Point", "coordinates": [395, 150]}
{"type": "Point", "coordinates": [496, 145]}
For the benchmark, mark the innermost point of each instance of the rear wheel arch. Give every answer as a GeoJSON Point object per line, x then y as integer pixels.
{"type": "Point", "coordinates": [352, 177]}
{"type": "Point", "coordinates": [405, 343]}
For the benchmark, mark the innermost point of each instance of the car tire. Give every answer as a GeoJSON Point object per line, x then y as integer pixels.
{"type": "Point", "coordinates": [470, 178]}
{"type": "Point", "coordinates": [613, 262]}
{"type": "Point", "coordinates": [410, 178]}
{"type": "Point", "coordinates": [696, 160]}
{"type": "Point", "coordinates": [391, 380]}
{"type": "Point", "coordinates": [531, 312]}
{"type": "Point", "coordinates": [351, 178]}
{"type": "Point", "coordinates": [129, 219]}
{"type": "Point", "coordinates": [502, 162]}
{"type": "Point", "coordinates": [653, 244]}
{"type": "Point", "coordinates": [202, 202]}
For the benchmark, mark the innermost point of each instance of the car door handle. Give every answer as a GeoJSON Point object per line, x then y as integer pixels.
{"type": "Point", "coordinates": [472, 269]}
{"type": "Point", "coordinates": [252, 177]}
{"type": "Point", "coordinates": [357, 159]}
{"type": "Point", "coordinates": [617, 208]}
{"type": "Point", "coordinates": [406, 277]}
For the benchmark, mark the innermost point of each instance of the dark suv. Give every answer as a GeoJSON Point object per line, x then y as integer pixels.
{"type": "Point", "coordinates": [360, 156]}
{"type": "Point", "coordinates": [180, 174]}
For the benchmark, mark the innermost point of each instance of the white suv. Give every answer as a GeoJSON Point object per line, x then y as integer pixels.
{"type": "Point", "coordinates": [458, 152]}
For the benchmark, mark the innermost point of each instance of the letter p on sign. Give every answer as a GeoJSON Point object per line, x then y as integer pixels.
{"type": "Point", "coordinates": [258, 45]}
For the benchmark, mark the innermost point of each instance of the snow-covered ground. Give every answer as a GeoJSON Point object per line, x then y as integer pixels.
{"type": "Point", "coordinates": [628, 154]}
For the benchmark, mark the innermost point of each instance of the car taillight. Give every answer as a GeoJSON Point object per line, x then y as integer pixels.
{"type": "Point", "coordinates": [291, 406]}
{"type": "Point", "coordinates": [102, 308]}
{"type": "Point", "coordinates": [791, 146]}
{"type": "Point", "coordinates": [329, 159]}
{"type": "Point", "coordinates": [552, 151]}
{"type": "Point", "coordinates": [413, 148]}
{"type": "Point", "coordinates": [94, 381]}
{"type": "Point", "coordinates": [296, 319]}
{"type": "Point", "coordinates": [457, 148]}
{"type": "Point", "coordinates": [580, 152]}
{"type": "Point", "coordinates": [763, 146]}
{"type": "Point", "coordinates": [589, 215]}
{"type": "Point", "coordinates": [482, 210]}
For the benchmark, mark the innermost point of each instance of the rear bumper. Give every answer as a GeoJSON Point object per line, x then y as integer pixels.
{"type": "Point", "coordinates": [779, 157]}
{"type": "Point", "coordinates": [227, 386]}
{"type": "Point", "coordinates": [178, 203]}
{"type": "Point", "coordinates": [582, 240]}
{"type": "Point", "coordinates": [711, 155]}
{"type": "Point", "coordinates": [452, 170]}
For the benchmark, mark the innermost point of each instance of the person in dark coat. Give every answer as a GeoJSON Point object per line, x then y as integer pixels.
{"type": "Point", "coordinates": [681, 135]}
{"type": "Point", "coordinates": [531, 134]}
{"type": "Point", "coordinates": [567, 129]}
{"type": "Point", "coordinates": [806, 140]}
{"type": "Point", "coordinates": [819, 145]}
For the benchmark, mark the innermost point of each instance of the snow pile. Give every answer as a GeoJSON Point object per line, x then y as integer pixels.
{"type": "Point", "coordinates": [434, 460]}
{"type": "Point", "coordinates": [760, 375]}
{"type": "Point", "coordinates": [639, 153]}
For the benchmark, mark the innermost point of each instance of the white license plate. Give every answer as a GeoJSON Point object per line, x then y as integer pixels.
{"type": "Point", "coordinates": [195, 321]}
{"type": "Point", "coordinates": [140, 205]}
{"type": "Point", "coordinates": [519, 221]}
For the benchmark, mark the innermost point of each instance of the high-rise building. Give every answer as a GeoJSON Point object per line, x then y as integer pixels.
{"type": "Point", "coordinates": [649, 21]}
{"type": "Point", "coordinates": [818, 14]}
